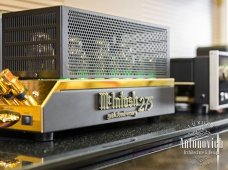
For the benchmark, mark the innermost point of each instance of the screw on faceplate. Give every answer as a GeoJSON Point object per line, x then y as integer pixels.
{"type": "Point", "coordinates": [35, 93]}
{"type": "Point", "coordinates": [203, 96]}
{"type": "Point", "coordinates": [35, 75]}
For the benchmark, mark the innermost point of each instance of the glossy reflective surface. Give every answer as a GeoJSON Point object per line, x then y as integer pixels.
{"type": "Point", "coordinates": [88, 143]}
{"type": "Point", "coordinates": [177, 158]}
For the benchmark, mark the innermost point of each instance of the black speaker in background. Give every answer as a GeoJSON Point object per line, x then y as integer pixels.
{"type": "Point", "coordinates": [182, 69]}
{"type": "Point", "coordinates": [204, 51]}
{"type": "Point", "coordinates": [192, 78]}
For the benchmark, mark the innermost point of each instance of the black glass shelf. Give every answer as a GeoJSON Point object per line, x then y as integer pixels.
{"type": "Point", "coordinates": [98, 144]}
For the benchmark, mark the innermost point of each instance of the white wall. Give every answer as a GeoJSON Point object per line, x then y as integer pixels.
{"type": "Point", "coordinates": [190, 21]}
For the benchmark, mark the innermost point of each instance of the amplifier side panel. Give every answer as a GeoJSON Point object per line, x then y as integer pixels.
{"type": "Point", "coordinates": [31, 42]}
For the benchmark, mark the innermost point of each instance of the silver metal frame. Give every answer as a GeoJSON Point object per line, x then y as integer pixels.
{"type": "Point", "coordinates": [213, 79]}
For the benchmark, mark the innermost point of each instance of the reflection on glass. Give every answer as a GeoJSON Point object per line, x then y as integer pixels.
{"type": "Point", "coordinates": [180, 159]}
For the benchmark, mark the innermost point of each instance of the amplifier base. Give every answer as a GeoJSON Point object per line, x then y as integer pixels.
{"type": "Point", "coordinates": [70, 104]}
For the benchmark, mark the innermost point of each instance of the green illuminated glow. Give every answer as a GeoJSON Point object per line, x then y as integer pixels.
{"type": "Point", "coordinates": [127, 73]}
{"type": "Point", "coordinates": [82, 73]}
{"type": "Point", "coordinates": [151, 75]}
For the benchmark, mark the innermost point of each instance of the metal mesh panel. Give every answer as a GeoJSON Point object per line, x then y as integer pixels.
{"type": "Point", "coordinates": [101, 46]}
{"type": "Point", "coordinates": [30, 42]}
{"type": "Point", "coordinates": [92, 45]}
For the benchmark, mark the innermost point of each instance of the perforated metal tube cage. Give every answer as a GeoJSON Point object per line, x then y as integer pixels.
{"type": "Point", "coordinates": [63, 42]}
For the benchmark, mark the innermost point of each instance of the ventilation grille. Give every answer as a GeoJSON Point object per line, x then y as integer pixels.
{"type": "Point", "coordinates": [30, 42]}
{"type": "Point", "coordinates": [104, 47]}
{"type": "Point", "coordinates": [99, 46]}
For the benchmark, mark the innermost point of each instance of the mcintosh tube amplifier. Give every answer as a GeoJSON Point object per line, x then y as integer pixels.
{"type": "Point", "coordinates": [202, 81]}
{"type": "Point", "coordinates": [78, 68]}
